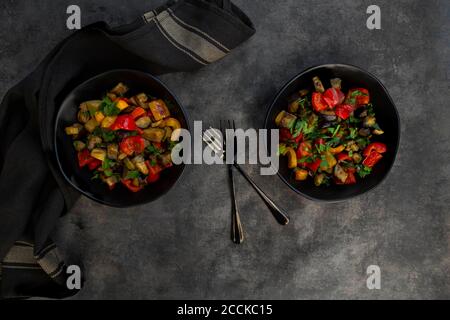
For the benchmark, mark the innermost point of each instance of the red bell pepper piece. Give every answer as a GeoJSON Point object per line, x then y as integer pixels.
{"type": "Point", "coordinates": [304, 149]}
{"type": "Point", "coordinates": [375, 146]}
{"type": "Point", "coordinates": [351, 178]}
{"type": "Point", "coordinates": [125, 122]}
{"type": "Point", "coordinates": [358, 97]}
{"type": "Point", "coordinates": [318, 102]}
{"type": "Point", "coordinates": [343, 156]}
{"type": "Point", "coordinates": [152, 178]}
{"type": "Point", "coordinates": [314, 166]}
{"type": "Point", "coordinates": [138, 112]}
{"type": "Point", "coordinates": [286, 135]}
{"type": "Point", "coordinates": [130, 186]}
{"type": "Point", "coordinates": [154, 172]}
{"type": "Point", "coordinates": [372, 159]}
{"type": "Point", "coordinates": [333, 97]}
{"type": "Point", "coordinates": [94, 164]}
{"type": "Point", "coordinates": [344, 111]}
{"type": "Point", "coordinates": [130, 145]}
{"type": "Point", "coordinates": [84, 158]}
{"type": "Point", "coordinates": [319, 141]}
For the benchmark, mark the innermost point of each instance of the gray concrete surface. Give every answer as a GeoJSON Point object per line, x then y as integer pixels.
{"type": "Point", "coordinates": [179, 247]}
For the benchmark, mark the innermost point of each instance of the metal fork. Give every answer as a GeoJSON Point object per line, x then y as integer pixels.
{"type": "Point", "coordinates": [212, 140]}
{"type": "Point", "coordinates": [237, 231]}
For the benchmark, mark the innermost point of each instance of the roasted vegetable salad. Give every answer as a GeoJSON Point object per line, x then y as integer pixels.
{"type": "Point", "coordinates": [124, 140]}
{"type": "Point", "coordinates": [329, 135]}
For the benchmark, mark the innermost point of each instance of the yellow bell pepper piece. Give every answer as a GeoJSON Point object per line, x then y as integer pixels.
{"type": "Point", "coordinates": [99, 116]}
{"type": "Point", "coordinates": [108, 121]}
{"type": "Point", "coordinates": [337, 149]}
{"type": "Point", "coordinates": [292, 158]}
{"type": "Point", "coordinates": [122, 104]}
{"type": "Point", "coordinates": [301, 175]}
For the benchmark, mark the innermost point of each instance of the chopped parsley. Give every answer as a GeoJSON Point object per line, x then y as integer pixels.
{"type": "Point", "coordinates": [108, 107]}
{"type": "Point", "coordinates": [153, 150]}
{"type": "Point", "coordinates": [132, 175]}
{"type": "Point", "coordinates": [363, 171]}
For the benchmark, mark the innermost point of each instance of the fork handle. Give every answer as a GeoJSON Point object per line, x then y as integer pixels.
{"type": "Point", "coordinates": [280, 215]}
{"type": "Point", "coordinates": [237, 231]}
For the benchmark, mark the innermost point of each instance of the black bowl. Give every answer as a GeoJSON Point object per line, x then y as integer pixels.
{"type": "Point", "coordinates": [387, 117]}
{"type": "Point", "coordinates": [94, 89]}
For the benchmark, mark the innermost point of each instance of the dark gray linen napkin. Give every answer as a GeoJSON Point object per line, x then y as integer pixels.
{"type": "Point", "coordinates": [181, 36]}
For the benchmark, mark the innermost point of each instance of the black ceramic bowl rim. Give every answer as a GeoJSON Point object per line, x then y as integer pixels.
{"type": "Point", "coordinates": [87, 194]}
{"type": "Point", "coordinates": [331, 65]}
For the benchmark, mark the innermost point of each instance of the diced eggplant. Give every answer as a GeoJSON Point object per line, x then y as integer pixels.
{"type": "Point", "coordinates": [111, 96]}
{"type": "Point", "coordinates": [139, 163]}
{"type": "Point", "coordinates": [113, 151]}
{"type": "Point", "coordinates": [129, 164]}
{"type": "Point", "coordinates": [168, 134]}
{"type": "Point", "coordinates": [378, 132]}
{"type": "Point", "coordinates": [158, 124]}
{"type": "Point", "coordinates": [92, 106]}
{"type": "Point", "coordinates": [83, 116]}
{"type": "Point", "coordinates": [91, 125]}
{"type": "Point", "coordinates": [111, 181]}
{"type": "Point", "coordinates": [369, 121]}
{"type": "Point", "coordinates": [352, 146]}
{"type": "Point", "coordinates": [143, 122]}
{"type": "Point", "coordinates": [318, 85]}
{"type": "Point", "coordinates": [303, 92]}
{"type": "Point", "coordinates": [357, 158]}
{"type": "Point", "coordinates": [79, 145]}
{"type": "Point", "coordinates": [364, 132]}
{"type": "Point", "coordinates": [154, 134]}
{"type": "Point", "coordinates": [74, 130]}
{"type": "Point", "coordinates": [293, 106]}
{"type": "Point", "coordinates": [142, 100]}
{"type": "Point", "coordinates": [336, 83]}
{"type": "Point", "coordinates": [328, 115]}
{"type": "Point", "coordinates": [361, 113]}
{"type": "Point", "coordinates": [94, 141]}
{"type": "Point", "coordinates": [319, 179]}
{"type": "Point", "coordinates": [122, 156]}
{"type": "Point", "coordinates": [340, 173]}
{"type": "Point", "coordinates": [98, 154]}
{"type": "Point", "coordinates": [159, 109]}
{"type": "Point", "coordinates": [120, 89]}
{"type": "Point", "coordinates": [166, 159]}
{"type": "Point", "coordinates": [285, 119]}
{"type": "Point", "coordinates": [327, 124]}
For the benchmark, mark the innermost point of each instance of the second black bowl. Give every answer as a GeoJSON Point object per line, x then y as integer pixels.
{"type": "Point", "coordinates": [387, 118]}
{"type": "Point", "coordinates": [66, 156]}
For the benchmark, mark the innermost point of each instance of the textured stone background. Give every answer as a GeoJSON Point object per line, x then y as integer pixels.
{"type": "Point", "coordinates": [179, 247]}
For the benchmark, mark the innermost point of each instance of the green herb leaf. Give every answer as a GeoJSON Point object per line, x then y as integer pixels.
{"type": "Point", "coordinates": [281, 149]}
{"type": "Point", "coordinates": [132, 175]}
{"type": "Point", "coordinates": [96, 175]}
{"type": "Point", "coordinates": [108, 173]}
{"type": "Point", "coordinates": [336, 130]}
{"type": "Point", "coordinates": [363, 171]}
{"type": "Point", "coordinates": [153, 150]}
{"type": "Point", "coordinates": [108, 107]}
